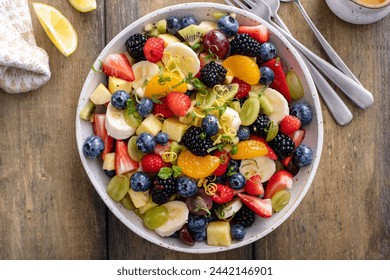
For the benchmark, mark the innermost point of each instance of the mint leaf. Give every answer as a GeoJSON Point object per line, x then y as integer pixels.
{"type": "Point", "coordinates": [165, 173]}
{"type": "Point", "coordinates": [176, 171]}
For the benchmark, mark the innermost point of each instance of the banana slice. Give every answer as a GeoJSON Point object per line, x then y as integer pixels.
{"type": "Point", "coordinates": [181, 57]}
{"type": "Point", "coordinates": [229, 209]}
{"type": "Point", "coordinates": [232, 117]}
{"type": "Point", "coordinates": [143, 72]}
{"type": "Point", "coordinates": [279, 104]}
{"type": "Point", "coordinates": [177, 217]}
{"type": "Point", "coordinates": [116, 125]}
{"type": "Point", "coordinates": [263, 166]}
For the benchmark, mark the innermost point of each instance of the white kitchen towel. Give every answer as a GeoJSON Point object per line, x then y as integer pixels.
{"type": "Point", "coordinates": [23, 65]}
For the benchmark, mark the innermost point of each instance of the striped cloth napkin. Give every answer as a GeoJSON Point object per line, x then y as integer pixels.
{"type": "Point", "coordinates": [23, 65]}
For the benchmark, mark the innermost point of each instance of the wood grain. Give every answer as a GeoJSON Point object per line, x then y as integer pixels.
{"type": "Point", "coordinates": [50, 210]}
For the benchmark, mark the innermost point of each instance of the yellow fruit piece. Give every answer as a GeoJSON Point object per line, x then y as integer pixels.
{"type": "Point", "coordinates": [218, 233]}
{"type": "Point", "coordinates": [195, 166]}
{"type": "Point", "coordinates": [242, 67]}
{"type": "Point", "coordinates": [250, 149]}
{"type": "Point", "coordinates": [83, 5]}
{"type": "Point", "coordinates": [57, 27]}
{"type": "Point", "coordinates": [161, 84]}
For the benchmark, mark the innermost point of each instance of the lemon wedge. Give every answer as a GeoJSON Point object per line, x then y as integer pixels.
{"type": "Point", "coordinates": [57, 27]}
{"type": "Point", "coordinates": [83, 5]}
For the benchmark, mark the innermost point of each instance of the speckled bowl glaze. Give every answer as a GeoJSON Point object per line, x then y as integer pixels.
{"type": "Point", "coordinates": [357, 12]}
{"type": "Point", "coordinates": [314, 131]}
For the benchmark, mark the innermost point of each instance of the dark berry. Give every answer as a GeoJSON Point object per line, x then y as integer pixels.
{"type": "Point", "coordinates": [110, 173]}
{"type": "Point", "coordinates": [302, 156]}
{"type": "Point", "coordinates": [173, 25]}
{"type": "Point", "coordinates": [282, 145]}
{"type": "Point", "coordinates": [146, 142]}
{"type": "Point", "coordinates": [199, 236]}
{"type": "Point", "coordinates": [197, 141]}
{"type": "Point", "coordinates": [244, 217]}
{"type": "Point", "coordinates": [238, 232]}
{"type": "Point", "coordinates": [233, 167]}
{"type": "Point", "coordinates": [267, 51]}
{"type": "Point", "coordinates": [135, 46]}
{"type": "Point", "coordinates": [162, 138]}
{"type": "Point", "coordinates": [267, 75]}
{"type": "Point", "coordinates": [243, 133]}
{"type": "Point", "coordinates": [212, 74]}
{"type": "Point", "coordinates": [187, 21]}
{"type": "Point", "coordinates": [186, 186]}
{"type": "Point", "coordinates": [119, 99]}
{"type": "Point", "coordinates": [140, 182]}
{"type": "Point", "coordinates": [197, 223]}
{"type": "Point", "coordinates": [244, 44]}
{"type": "Point", "coordinates": [210, 125]}
{"type": "Point", "coordinates": [303, 112]}
{"type": "Point", "coordinates": [260, 125]}
{"type": "Point", "coordinates": [145, 106]}
{"type": "Point", "coordinates": [162, 189]}
{"type": "Point", "coordinates": [237, 181]}
{"type": "Point", "coordinates": [228, 25]}
{"type": "Point", "coordinates": [93, 146]}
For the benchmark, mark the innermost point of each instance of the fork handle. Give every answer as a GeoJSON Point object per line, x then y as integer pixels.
{"type": "Point", "coordinates": [338, 62]}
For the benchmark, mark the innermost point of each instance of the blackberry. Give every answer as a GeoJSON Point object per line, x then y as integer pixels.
{"type": "Point", "coordinates": [162, 189]}
{"type": "Point", "coordinates": [135, 46]}
{"type": "Point", "coordinates": [212, 74]}
{"type": "Point", "coordinates": [244, 44]}
{"type": "Point", "coordinates": [197, 141]}
{"type": "Point", "coordinates": [282, 145]}
{"type": "Point", "coordinates": [244, 217]}
{"type": "Point", "coordinates": [260, 125]}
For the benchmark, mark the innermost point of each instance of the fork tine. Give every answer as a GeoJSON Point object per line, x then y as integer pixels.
{"type": "Point", "coordinates": [250, 3]}
{"type": "Point", "coordinates": [237, 3]}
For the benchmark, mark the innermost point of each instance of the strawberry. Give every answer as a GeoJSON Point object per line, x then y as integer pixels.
{"type": "Point", "coordinates": [161, 108]}
{"type": "Point", "coordinates": [224, 158]}
{"type": "Point", "coordinates": [289, 124]}
{"type": "Point", "coordinates": [123, 162]}
{"type": "Point", "coordinates": [297, 136]}
{"type": "Point", "coordinates": [178, 102]}
{"type": "Point", "coordinates": [259, 32]}
{"type": "Point", "coordinates": [243, 88]}
{"type": "Point", "coordinates": [279, 83]}
{"type": "Point", "coordinates": [271, 154]}
{"type": "Point", "coordinates": [99, 129]}
{"type": "Point", "coordinates": [281, 180]}
{"type": "Point", "coordinates": [154, 49]}
{"type": "Point", "coordinates": [118, 66]}
{"type": "Point", "coordinates": [223, 194]}
{"type": "Point", "coordinates": [261, 207]}
{"type": "Point", "coordinates": [152, 163]}
{"type": "Point", "coordinates": [254, 186]}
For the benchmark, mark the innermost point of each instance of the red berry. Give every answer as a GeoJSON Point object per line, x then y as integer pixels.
{"type": "Point", "coordinates": [224, 158]}
{"type": "Point", "coordinates": [152, 163]}
{"type": "Point", "coordinates": [261, 207]}
{"type": "Point", "coordinates": [290, 124]}
{"type": "Point", "coordinates": [243, 88]}
{"type": "Point", "coordinates": [281, 180]}
{"type": "Point", "coordinates": [117, 65]}
{"type": "Point", "coordinates": [178, 102]}
{"type": "Point", "coordinates": [279, 83]}
{"type": "Point", "coordinates": [154, 49]}
{"type": "Point", "coordinates": [259, 32]}
{"type": "Point", "coordinates": [223, 194]}
{"type": "Point", "coordinates": [161, 108]}
{"type": "Point", "coordinates": [254, 186]}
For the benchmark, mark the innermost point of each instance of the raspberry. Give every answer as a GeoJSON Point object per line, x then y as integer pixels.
{"type": "Point", "coordinates": [162, 189]}
{"type": "Point", "coordinates": [224, 158]}
{"type": "Point", "coordinates": [244, 44]}
{"type": "Point", "coordinates": [178, 102]}
{"type": "Point", "coordinates": [290, 124]}
{"type": "Point", "coordinates": [282, 145]}
{"type": "Point", "coordinates": [161, 108]}
{"type": "Point", "coordinates": [212, 74]}
{"type": "Point", "coordinates": [243, 88]}
{"type": "Point", "coordinates": [135, 46]}
{"type": "Point", "coordinates": [154, 49]}
{"type": "Point", "coordinates": [152, 163]}
{"type": "Point", "coordinates": [196, 140]}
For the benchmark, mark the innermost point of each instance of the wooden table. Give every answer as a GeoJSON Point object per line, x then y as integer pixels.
{"type": "Point", "coordinates": [50, 210]}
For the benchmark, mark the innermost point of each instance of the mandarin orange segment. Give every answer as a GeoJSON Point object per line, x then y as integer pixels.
{"type": "Point", "coordinates": [161, 84]}
{"type": "Point", "coordinates": [243, 68]}
{"type": "Point", "coordinates": [250, 149]}
{"type": "Point", "coordinates": [196, 166]}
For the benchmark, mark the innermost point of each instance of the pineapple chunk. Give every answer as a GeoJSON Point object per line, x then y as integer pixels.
{"type": "Point", "coordinates": [115, 84]}
{"type": "Point", "coordinates": [139, 198]}
{"type": "Point", "coordinates": [109, 161]}
{"type": "Point", "coordinates": [168, 38]}
{"type": "Point", "coordinates": [150, 125]}
{"type": "Point", "coordinates": [174, 128]}
{"type": "Point", "coordinates": [100, 95]}
{"type": "Point", "coordinates": [218, 233]}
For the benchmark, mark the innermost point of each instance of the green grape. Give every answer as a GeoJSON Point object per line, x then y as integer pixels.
{"type": "Point", "coordinates": [132, 120]}
{"type": "Point", "coordinates": [134, 153]}
{"type": "Point", "coordinates": [294, 85]}
{"type": "Point", "coordinates": [273, 130]}
{"type": "Point", "coordinates": [118, 186]}
{"type": "Point", "coordinates": [127, 202]}
{"type": "Point", "coordinates": [280, 199]}
{"type": "Point", "coordinates": [205, 101]}
{"type": "Point", "coordinates": [249, 111]}
{"type": "Point", "coordinates": [156, 217]}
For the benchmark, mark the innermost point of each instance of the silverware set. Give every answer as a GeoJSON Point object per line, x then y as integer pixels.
{"type": "Point", "coordinates": [340, 74]}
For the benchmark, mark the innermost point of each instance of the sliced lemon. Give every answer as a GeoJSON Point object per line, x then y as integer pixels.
{"type": "Point", "coordinates": [83, 5]}
{"type": "Point", "coordinates": [57, 27]}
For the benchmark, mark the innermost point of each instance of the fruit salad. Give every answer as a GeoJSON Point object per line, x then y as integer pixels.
{"type": "Point", "coordinates": [199, 127]}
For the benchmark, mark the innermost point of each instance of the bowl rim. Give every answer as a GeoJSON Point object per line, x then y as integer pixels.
{"type": "Point", "coordinates": [317, 109]}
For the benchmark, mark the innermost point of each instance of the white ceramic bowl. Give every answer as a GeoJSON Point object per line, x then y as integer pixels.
{"type": "Point", "coordinates": [314, 131]}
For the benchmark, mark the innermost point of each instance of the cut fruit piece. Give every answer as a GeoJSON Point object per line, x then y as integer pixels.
{"type": "Point", "coordinates": [139, 199]}
{"type": "Point", "coordinates": [83, 6]}
{"type": "Point", "coordinates": [163, 83]}
{"type": "Point", "coordinates": [192, 34]}
{"type": "Point", "coordinates": [261, 207]}
{"type": "Point", "coordinates": [174, 128]}
{"type": "Point", "coordinates": [196, 166]}
{"type": "Point", "coordinates": [178, 56]}
{"type": "Point", "coordinates": [57, 27]}
{"type": "Point", "coordinates": [177, 217]}
{"type": "Point", "coordinates": [280, 199]}
{"type": "Point", "coordinates": [243, 68]}
{"type": "Point", "coordinates": [249, 149]}
{"type": "Point", "coordinates": [117, 65]}
{"type": "Point", "coordinates": [218, 234]}
{"type": "Point", "coordinates": [279, 181]}
{"type": "Point", "coordinates": [116, 124]}
{"type": "Point", "coordinates": [263, 166]}
{"type": "Point", "coordinates": [150, 124]}
{"type": "Point", "coordinates": [87, 111]}
{"type": "Point", "coordinates": [123, 162]}
{"type": "Point", "coordinates": [101, 95]}
{"type": "Point", "coordinates": [143, 71]}
{"type": "Point", "coordinates": [279, 104]}
{"type": "Point", "coordinates": [118, 187]}
{"type": "Point", "coordinates": [168, 38]}
{"type": "Point", "coordinates": [249, 111]}
{"type": "Point", "coordinates": [115, 84]}
{"type": "Point", "coordinates": [228, 210]}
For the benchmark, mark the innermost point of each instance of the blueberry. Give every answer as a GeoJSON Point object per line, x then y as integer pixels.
{"type": "Point", "coordinates": [267, 51]}
{"type": "Point", "coordinates": [197, 223]}
{"type": "Point", "coordinates": [93, 146]}
{"type": "Point", "coordinates": [243, 133]}
{"type": "Point", "coordinates": [237, 181]}
{"type": "Point", "coordinates": [145, 106]}
{"type": "Point", "coordinates": [199, 236]}
{"type": "Point", "coordinates": [220, 179]}
{"type": "Point", "coordinates": [119, 99]}
{"type": "Point", "coordinates": [176, 234]}
{"type": "Point", "coordinates": [146, 143]}
{"type": "Point", "coordinates": [140, 182]}
{"type": "Point", "coordinates": [228, 25]}
{"type": "Point", "coordinates": [186, 186]}
{"type": "Point", "coordinates": [233, 167]}
{"type": "Point", "coordinates": [210, 125]}
{"type": "Point", "coordinates": [173, 25]}
{"type": "Point", "coordinates": [267, 75]}
{"type": "Point", "coordinates": [187, 21]}
{"type": "Point", "coordinates": [110, 173]}
{"type": "Point", "coordinates": [238, 231]}
{"type": "Point", "coordinates": [303, 112]}
{"type": "Point", "coordinates": [302, 156]}
{"type": "Point", "coordinates": [162, 138]}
